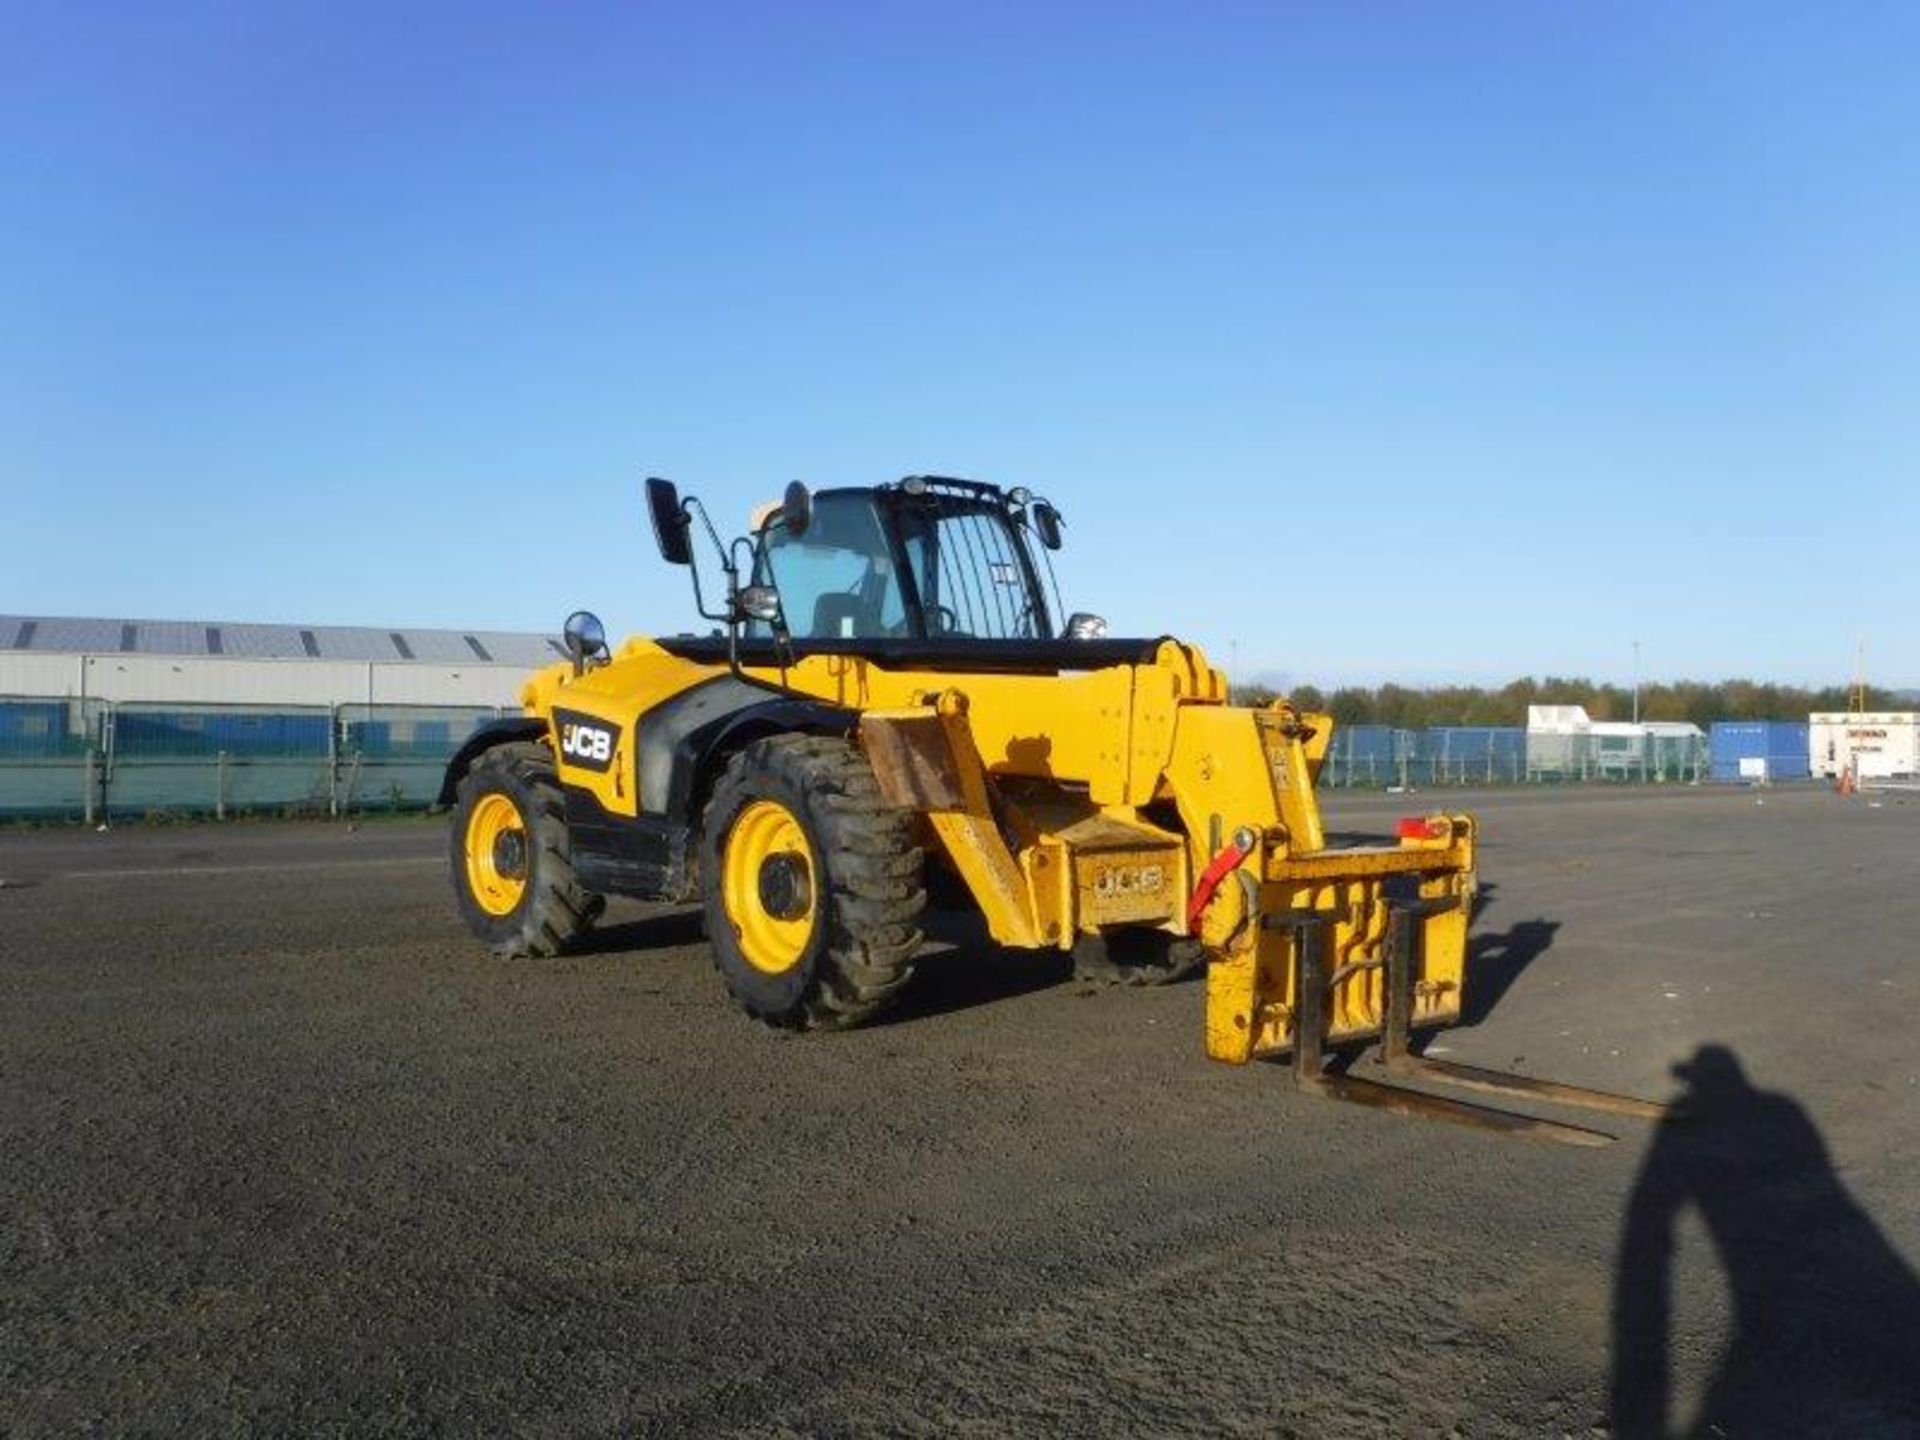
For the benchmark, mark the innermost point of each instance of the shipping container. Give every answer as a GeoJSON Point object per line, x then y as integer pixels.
{"type": "Point", "coordinates": [1756, 752]}
{"type": "Point", "coordinates": [1884, 744]}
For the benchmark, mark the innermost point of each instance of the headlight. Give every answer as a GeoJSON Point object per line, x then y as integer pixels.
{"type": "Point", "coordinates": [1084, 626]}
{"type": "Point", "coordinates": [759, 602]}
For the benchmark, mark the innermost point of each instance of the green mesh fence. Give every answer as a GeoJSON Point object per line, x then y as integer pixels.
{"type": "Point", "coordinates": [50, 756]}
{"type": "Point", "coordinates": [92, 760]}
{"type": "Point", "coordinates": [217, 759]}
{"type": "Point", "coordinates": [393, 756]}
{"type": "Point", "coordinates": [1648, 759]}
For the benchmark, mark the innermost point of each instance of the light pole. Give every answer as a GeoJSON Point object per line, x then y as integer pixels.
{"type": "Point", "coordinates": [1636, 682]}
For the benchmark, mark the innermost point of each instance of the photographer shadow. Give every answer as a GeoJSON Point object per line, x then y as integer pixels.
{"type": "Point", "coordinates": [1826, 1313]}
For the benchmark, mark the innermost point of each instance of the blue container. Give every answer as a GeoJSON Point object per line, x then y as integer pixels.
{"type": "Point", "coordinates": [1781, 743]}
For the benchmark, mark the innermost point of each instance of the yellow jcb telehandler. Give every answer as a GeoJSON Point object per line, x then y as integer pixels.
{"type": "Point", "coordinates": [891, 705]}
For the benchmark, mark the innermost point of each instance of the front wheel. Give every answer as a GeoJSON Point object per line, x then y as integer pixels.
{"type": "Point", "coordinates": [812, 884]}
{"type": "Point", "coordinates": [512, 871]}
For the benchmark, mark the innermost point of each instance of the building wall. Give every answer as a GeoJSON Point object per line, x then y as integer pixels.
{"type": "Point", "coordinates": [227, 681]}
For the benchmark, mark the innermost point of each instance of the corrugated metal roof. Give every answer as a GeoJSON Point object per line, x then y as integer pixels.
{"type": "Point", "coordinates": [63, 635]}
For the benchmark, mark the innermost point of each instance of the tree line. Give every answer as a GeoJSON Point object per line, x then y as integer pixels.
{"type": "Point", "coordinates": [1702, 702]}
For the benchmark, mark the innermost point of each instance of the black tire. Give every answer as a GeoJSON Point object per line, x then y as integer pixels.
{"type": "Point", "coordinates": [1136, 957]}
{"type": "Point", "coordinates": [552, 912]}
{"type": "Point", "coordinates": [865, 901]}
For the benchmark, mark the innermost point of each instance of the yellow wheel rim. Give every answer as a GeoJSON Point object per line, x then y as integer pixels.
{"type": "Point", "coordinates": [496, 854]}
{"type": "Point", "coordinates": [768, 885]}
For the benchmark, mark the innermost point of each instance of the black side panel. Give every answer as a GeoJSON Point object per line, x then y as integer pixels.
{"type": "Point", "coordinates": [699, 751]}
{"type": "Point", "coordinates": [664, 730]}
{"type": "Point", "coordinates": [944, 652]}
{"type": "Point", "coordinates": [679, 738]}
{"type": "Point", "coordinates": [649, 858]}
{"type": "Point", "coordinates": [494, 732]}
{"type": "Point", "coordinates": [679, 742]}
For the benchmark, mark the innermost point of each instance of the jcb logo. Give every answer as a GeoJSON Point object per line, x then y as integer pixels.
{"type": "Point", "coordinates": [1117, 880]}
{"type": "Point", "coordinates": [584, 741]}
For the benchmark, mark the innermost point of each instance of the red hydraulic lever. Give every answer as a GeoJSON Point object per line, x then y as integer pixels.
{"type": "Point", "coordinates": [1218, 868]}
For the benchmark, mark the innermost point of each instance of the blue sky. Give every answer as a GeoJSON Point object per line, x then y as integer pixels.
{"type": "Point", "coordinates": [1359, 341]}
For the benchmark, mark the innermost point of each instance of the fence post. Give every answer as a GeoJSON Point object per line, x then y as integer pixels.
{"type": "Point", "coordinates": [220, 785]}
{"type": "Point", "coordinates": [86, 783]}
{"type": "Point", "coordinates": [333, 763]}
{"type": "Point", "coordinates": [109, 747]}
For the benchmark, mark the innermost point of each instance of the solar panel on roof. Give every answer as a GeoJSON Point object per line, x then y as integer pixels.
{"type": "Point", "coordinates": [65, 635]}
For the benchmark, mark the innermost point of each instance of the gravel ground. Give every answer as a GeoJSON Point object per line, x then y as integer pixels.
{"type": "Point", "coordinates": [280, 1149]}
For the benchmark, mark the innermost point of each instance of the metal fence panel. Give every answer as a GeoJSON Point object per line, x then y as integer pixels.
{"type": "Point", "coordinates": [82, 759]}
{"type": "Point", "coordinates": [49, 756]}
{"type": "Point", "coordinates": [1472, 755]}
{"type": "Point", "coordinates": [166, 759]}
{"type": "Point", "coordinates": [392, 757]}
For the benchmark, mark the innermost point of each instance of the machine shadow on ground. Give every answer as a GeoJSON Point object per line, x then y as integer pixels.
{"type": "Point", "coordinates": [1496, 959]}
{"type": "Point", "coordinates": [1825, 1312]}
{"type": "Point", "coordinates": [962, 968]}
{"type": "Point", "coordinates": [659, 930]}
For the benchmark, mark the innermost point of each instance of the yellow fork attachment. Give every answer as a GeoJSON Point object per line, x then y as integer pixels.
{"type": "Point", "coordinates": [1308, 930]}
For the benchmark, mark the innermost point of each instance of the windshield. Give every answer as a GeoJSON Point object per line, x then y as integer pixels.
{"type": "Point", "coordinates": [968, 572]}
{"type": "Point", "coordinates": [969, 569]}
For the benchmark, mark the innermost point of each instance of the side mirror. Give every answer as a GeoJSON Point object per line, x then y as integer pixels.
{"type": "Point", "coordinates": [1046, 524]}
{"type": "Point", "coordinates": [796, 510]}
{"type": "Point", "coordinates": [670, 524]}
{"type": "Point", "coordinates": [586, 638]}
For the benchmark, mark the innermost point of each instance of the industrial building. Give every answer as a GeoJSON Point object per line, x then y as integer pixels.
{"type": "Point", "coordinates": [218, 663]}
{"type": "Point", "coordinates": [109, 717]}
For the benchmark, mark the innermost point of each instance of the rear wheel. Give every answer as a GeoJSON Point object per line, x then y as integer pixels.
{"type": "Point", "coordinates": [1134, 956]}
{"type": "Point", "coordinates": [511, 868]}
{"type": "Point", "coordinates": [812, 884]}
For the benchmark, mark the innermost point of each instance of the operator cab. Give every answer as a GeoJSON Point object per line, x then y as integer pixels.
{"type": "Point", "coordinates": [920, 559]}
{"type": "Point", "coordinates": [925, 564]}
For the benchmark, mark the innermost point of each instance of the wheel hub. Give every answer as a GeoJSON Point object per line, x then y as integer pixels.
{"type": "Point", "coordinates": [510, 854]}
{"type": "Point", "coordinates": [786, 888]}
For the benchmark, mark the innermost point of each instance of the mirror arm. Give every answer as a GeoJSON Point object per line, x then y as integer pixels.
{"type": "Point", "coordinates": [1059, 616]}
{"type": "Point", "coordinates": [691, 506]}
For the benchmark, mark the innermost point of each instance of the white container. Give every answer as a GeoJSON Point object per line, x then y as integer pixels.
{"type": "Point", "coordinates": [1881, 745]}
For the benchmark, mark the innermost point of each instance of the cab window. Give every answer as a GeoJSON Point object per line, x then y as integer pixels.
{"type": "Point", "coordinates": [837, 581]}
